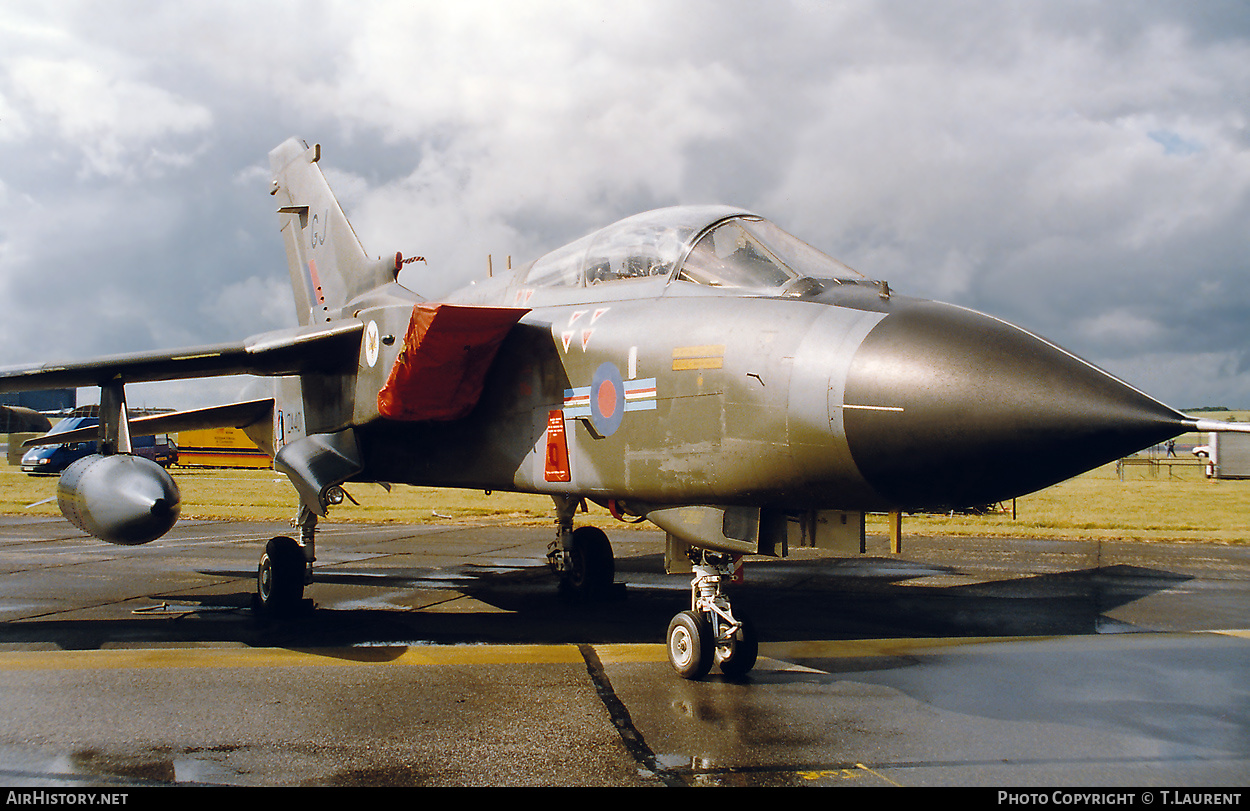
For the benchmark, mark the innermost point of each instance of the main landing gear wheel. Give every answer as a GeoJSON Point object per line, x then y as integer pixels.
{"type": "Point", "coordinates": [591, 566]}
{"type": "Point", "coordinates": [690, 650]}
{"type": "Point", "coordinates": [280, 576]}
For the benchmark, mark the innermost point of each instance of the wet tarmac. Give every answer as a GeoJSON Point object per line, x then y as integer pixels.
{"type": "Point", "coordinates": [445, 656]}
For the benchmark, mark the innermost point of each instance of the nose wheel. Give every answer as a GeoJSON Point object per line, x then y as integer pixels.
{"type": "Point", "coordinates": [690, 649]}
{"type": "Point", "coordinates": [711, 633]}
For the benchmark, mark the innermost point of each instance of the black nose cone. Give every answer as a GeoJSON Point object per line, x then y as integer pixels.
{"type": "Point", "coordinates": [946, 407]}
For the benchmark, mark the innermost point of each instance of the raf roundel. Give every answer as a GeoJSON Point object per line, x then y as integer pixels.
{"type": "Point", "coordinates": [607, 399]}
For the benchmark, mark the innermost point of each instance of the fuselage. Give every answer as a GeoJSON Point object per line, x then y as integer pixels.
{"type": "Point", "coordinates": [829, 395]}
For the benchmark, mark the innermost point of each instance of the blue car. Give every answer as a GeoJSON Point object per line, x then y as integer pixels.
{"type": "Point", "coordinates": [52, 459]}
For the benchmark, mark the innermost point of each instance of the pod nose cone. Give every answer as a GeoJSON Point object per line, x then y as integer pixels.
{"type": "Point", "coordinates": [946, 407]}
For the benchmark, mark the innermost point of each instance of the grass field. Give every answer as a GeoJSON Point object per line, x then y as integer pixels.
{"type": "Point", "coordinates": [1188, 507]}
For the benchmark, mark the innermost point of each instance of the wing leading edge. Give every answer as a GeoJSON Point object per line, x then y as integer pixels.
{"type": "Point", "coordinates": [329, 349]}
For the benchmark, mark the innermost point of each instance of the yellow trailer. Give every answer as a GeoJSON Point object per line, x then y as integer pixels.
{"type": "Point", "coordinates": [219, 447]}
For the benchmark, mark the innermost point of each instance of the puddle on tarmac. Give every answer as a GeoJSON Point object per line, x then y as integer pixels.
{"type": "Point", "coordinates": [30, 767]}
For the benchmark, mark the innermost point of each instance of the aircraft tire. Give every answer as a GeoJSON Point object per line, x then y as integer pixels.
{"type": "Point", "coordinates": [280, 576]}
{"type": "Point", "coordinates": [738, 656]}
{"type": "Point", "coordinates": [690, 649]}
{"type": "Point", "coordinates": [593, 567]}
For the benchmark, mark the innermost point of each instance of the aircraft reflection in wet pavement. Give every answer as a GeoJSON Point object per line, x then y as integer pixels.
{"type": "Point", "coordinates": [696, 367]}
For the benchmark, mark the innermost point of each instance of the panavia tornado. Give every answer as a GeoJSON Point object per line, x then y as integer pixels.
{"type": "Point", "coordinates": [697, 367]}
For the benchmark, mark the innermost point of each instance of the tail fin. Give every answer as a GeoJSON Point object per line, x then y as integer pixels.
{"type": "Point", "coordinates": [328, 264]}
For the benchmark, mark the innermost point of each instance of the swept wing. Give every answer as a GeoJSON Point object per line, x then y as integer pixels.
{"type": "Point", "coordinates": [330, 348]}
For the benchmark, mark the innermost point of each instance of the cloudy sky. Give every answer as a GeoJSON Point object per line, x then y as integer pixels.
{"type": "Point", "coordinates": [1079, 168]}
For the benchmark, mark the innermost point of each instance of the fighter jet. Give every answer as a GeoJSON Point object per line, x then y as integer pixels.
{"type": "Point", "coordinates": [696, 367]}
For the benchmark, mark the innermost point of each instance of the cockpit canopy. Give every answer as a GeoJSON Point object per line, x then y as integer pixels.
{"type": "Point", "coordinates": [715, 246]}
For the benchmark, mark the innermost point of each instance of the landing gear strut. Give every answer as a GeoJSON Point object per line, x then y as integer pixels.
{"type": "Point", "coordinates": [711, 632]}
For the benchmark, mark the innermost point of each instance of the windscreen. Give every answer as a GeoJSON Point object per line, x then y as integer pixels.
{"type": "Point", "coordinates": [752, 253]}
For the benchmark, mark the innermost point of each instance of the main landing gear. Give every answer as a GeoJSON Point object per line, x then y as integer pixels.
{"type": "Point", "coordinates": [286, 567]}
{"type": "Point", "coordinates": [582, 557]}
{"type": "Point", "coordinates": [710, 632]}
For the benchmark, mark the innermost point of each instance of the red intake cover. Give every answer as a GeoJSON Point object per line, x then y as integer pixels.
{"type": "Point", "coordinates": [442, 365]}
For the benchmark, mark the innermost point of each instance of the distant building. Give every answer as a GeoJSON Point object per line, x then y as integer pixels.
{"type": "Point", "coordinates": [52, 400]}
{"type": "Point", "coordinates": [21, 417]}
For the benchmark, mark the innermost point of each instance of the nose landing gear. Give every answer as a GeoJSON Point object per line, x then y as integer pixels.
{"type": "Point", "coordinates": [711, 633]}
